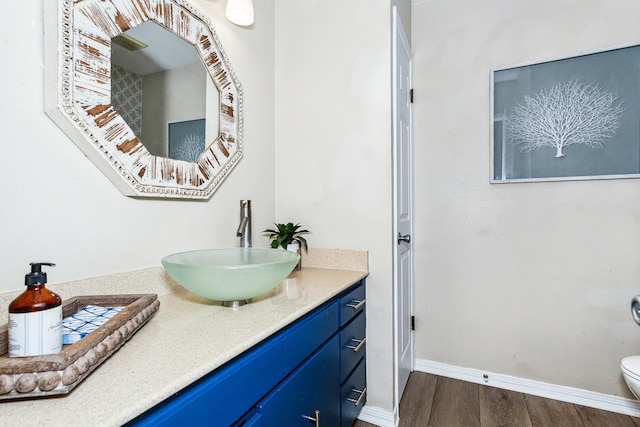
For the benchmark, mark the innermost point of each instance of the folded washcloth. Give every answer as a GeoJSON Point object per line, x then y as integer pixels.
{"type": "Point", "coordinates": [87, 320]}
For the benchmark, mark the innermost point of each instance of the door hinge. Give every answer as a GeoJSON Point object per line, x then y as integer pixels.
{"type": "Point", "coordinates": [413, 323]}
{"type": "Point", "coordinates": [411, 96]}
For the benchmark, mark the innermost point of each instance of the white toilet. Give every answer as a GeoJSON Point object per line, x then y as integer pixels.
{"type": "Point", "coordinates": [631, 372]}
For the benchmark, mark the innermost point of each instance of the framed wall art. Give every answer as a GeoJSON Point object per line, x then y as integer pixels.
{"type": "Point", "coordinates": [187, 139]}
{"type": "Point", "coordinates": [568, 119]}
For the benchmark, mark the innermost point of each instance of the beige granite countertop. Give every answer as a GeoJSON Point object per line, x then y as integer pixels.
{"type": "Point", "coordinates": [188, 338]}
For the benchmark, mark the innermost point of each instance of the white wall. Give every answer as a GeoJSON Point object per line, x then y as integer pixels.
{"type": "Point", "coordinates": [171, 96]}
{"type": "Point", "coordinates": [531, 280]}
{"type": "Point", "coordinates": [333, 147]}
{"type": "Point", "coordinates": [57, 206]}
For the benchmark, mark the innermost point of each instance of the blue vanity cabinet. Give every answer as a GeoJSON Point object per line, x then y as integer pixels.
{"type": "Point", "coordinates": [308, 366]}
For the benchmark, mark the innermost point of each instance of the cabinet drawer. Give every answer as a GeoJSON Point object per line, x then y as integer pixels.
{"type": "Point", "coordinates": [352, 304]}
{"type": "Point", "coordinates": [353, 394]}
{"type": "Point", "coordinates": [312, 387]}
{"type": "Point", "coordinates": [352, 345]}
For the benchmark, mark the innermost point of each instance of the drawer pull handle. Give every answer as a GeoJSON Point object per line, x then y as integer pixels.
{"type": "Point", "coordinates": [356, 305]}
{"type": "Point", "coordinates": [356, 348]}
{"type": "Point", "coordinates": [357, 401]}
{"type": "Point", "coordinates": [315, 420]}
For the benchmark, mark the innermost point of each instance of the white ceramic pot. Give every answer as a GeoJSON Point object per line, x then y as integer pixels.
{"type": "Point", "coordinates": [295, 247]}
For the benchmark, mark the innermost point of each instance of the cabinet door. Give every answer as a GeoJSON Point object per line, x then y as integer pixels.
{"type": "Point", "coordinates": [310, 391]}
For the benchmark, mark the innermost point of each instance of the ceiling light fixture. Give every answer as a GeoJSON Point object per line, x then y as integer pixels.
{"type": "Point", "coordinates": [240, 12]}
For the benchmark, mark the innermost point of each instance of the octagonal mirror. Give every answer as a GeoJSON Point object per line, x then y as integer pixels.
{"type": "Point", "coordinates": [146, 91]}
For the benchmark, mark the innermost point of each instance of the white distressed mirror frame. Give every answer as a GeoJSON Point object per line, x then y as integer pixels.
{"type": "Point", "coordinates": [78, 94]}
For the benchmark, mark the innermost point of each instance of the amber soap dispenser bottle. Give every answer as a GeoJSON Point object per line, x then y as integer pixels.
{"type": "Point", "coordinates": [35, 317]}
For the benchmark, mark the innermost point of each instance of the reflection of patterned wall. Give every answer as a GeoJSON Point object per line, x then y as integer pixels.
{"type": "Point", "coordinates": [126, 97]}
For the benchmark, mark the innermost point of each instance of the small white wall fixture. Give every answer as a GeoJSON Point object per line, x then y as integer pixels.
{"type": "Point", "coordinates": [78, 95]}
{"type": "Point", "coordinates": [240, 12]}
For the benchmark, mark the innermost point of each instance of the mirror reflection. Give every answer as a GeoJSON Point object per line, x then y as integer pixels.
{"type": "Point", "coordinates": [163, 92]}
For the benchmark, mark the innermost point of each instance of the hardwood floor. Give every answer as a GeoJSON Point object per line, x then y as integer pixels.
{"type": "Point", "coordinates": [435, 401]}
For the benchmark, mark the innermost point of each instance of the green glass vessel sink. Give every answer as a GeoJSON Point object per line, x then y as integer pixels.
{"type": "Point", "coordinates": [230, 275]}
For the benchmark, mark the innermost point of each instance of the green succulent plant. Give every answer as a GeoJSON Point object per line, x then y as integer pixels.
{"type": "Point", "coordinates": [284, 234]}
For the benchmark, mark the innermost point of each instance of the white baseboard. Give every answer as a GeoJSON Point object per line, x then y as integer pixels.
{"type": "Point", "coordinates": [378, 417]}
{"type": "Point", "coordinates": [537, 388]}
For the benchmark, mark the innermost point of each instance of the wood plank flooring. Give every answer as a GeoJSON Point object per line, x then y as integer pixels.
{"type": "Point", "coordinates": [434, 401]}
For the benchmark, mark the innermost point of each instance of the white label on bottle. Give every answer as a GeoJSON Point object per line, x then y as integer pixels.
{"type": "Point", "coordinates": [35, 333]}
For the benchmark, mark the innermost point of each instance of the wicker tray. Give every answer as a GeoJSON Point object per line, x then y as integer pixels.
{"type": "Point", "coordinates": [55, 374]}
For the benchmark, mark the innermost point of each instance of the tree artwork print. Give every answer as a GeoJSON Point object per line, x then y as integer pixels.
{"type": "Point", "coordinates": [575, 118]}
{"type": "Point", "coordinates": [568, 113]}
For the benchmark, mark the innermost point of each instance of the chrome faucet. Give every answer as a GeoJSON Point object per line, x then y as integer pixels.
{"type": "Point", "coordinates": [244, 229]}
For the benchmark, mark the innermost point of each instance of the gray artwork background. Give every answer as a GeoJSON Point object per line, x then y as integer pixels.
{"type": "Point", "coordinates": [616, 71]}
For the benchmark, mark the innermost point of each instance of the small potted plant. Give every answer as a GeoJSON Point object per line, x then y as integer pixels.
{"type": "Point", "coordinates": [289, 237]}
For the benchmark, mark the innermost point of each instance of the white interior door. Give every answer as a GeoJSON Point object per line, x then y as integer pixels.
{"type": "Point", "coordinates": [403, 206]}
